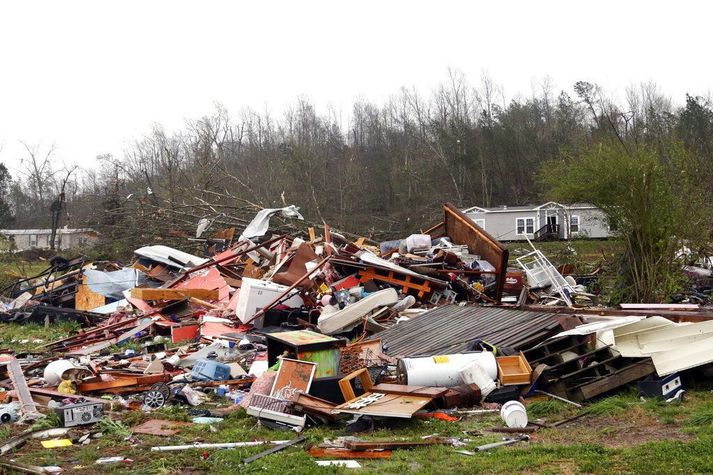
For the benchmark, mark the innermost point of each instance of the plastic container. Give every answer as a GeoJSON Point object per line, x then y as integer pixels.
{"type": "Point", "coordinates": [54, 371]}
{"type": "Point", "coordinates": [473, 373]}
{"type": "Point", "coordinates": [514, 414]}
{"type": "Point", "coordinates": [418, 241]}
{"type": "Point", "coordinates": [209, 370]}
{"type": "Point", "coordinates": [57, 370]}
{"type": "Point", "coordinates": [443, 370]}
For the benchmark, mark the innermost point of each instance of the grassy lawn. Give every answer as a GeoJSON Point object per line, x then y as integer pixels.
{"type": "Point", "coordinates": [622, 434]}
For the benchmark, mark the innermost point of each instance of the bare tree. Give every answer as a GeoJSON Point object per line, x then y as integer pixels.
{"type": "Point", "coordinates": [37, 168]}
{"type": "Point", "coordinates": [59, 204]}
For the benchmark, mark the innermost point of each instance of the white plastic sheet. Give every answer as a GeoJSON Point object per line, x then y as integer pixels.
{"type": "Point", "coordinates": [261, 222]}
{"type": "Point", "coordinates": [112, 284]}
{"type": "Point", "coordinates": [170, 256]}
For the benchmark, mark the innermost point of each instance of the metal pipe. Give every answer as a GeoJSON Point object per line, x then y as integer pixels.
{"type": "Point", "coordinates": [554, 396]}
{"type": "Point", "coordinates": [226, 445]}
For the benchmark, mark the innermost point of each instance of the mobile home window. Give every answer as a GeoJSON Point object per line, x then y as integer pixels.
{"type": "Point", "coordinates": [480, 222]}
{"type": "Point", "coordinates": [33, 240]}
{"type": "Point", "coordinates": [574, 223]}
{"type": "Point", "coordinates": [525, 226]}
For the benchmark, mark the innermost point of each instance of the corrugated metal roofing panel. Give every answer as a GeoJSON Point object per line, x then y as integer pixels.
{"type": "Point", "coordinates": [452, 328]}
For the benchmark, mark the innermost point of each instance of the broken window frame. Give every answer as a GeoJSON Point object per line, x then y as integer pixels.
{"type": "Point", "coordinates": [527, 228]}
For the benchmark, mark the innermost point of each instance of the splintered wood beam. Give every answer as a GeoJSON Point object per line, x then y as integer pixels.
{"type": "Point", "coordinates": [393, 445]}
{"type": "Point", "coordinates": [173, 294]}
{"type": "Point", "coordinates": [27, 404]}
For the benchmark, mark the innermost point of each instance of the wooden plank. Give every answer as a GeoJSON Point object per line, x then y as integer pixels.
{"type": "Point", "coordinates": [122, 380]}
{"type": "Point", "coordinates": [27, 404]}
{"type": "Point", "coordinates": [393, 445]}
{"type": "Point", "coordinates": [103, 385]}
{"type": "Point", "coordinates": [86, 299]}
{"type": "Point", "coordinates": [623, 376]}
{"type": "Point", "coordinates": [315, 406]}
{"type": "Point", "coordinates": [319, 452]}
{"type": "Point", "coordinates": [51, 393]}
{"type": "Point", "coordinates": [405, 390]}
{"type": "Point", "coordinates": [173, 294]}
{"type": "Point", "coordinates": [660, 306]}
{"type": "Point", "coordinates": [673, 315]}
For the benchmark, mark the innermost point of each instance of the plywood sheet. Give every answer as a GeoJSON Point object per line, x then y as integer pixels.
{"type": "Point", "coordinates": [391, 405]}
{"type": "Point", "coordinates": [86, 299]}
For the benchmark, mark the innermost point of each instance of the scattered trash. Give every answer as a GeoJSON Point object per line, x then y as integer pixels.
{"type": "Point", "coordinates": [54, 443]}
{"type": "Point", "coordinates": [514, 414]}
{"type": "Point", "coordinates": [495, 445]}
{"type": "Point", "coordinates": [274, 449]}
{"type": "Point", "coordinates": [339, 463]}
{"type": "Point", "coordinates": [317, 328]}
{"type": "Point", "coordinates": [110, 460]}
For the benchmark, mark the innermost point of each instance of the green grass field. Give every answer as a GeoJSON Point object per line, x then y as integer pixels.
{"type": "Point", "coordinates": [625, 436]}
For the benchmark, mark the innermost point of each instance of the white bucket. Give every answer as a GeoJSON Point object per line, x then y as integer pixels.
{"type": "Point", "coordinates": [514, 414]}
{"type": "Point", "coordinates": [443, 370]}
{"type": "Point", "coordinates": [54, 371]}
{"type": "Point", "coordinates": [473, 373]}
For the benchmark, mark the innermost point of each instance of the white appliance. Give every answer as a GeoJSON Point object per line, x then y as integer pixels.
{"type": "Point", "coordinates": [255, 294]}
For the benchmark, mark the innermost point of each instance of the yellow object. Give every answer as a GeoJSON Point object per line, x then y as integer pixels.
{"type": "Point", "coordinates": [440, 359]}
{"type": "Point", "coordinates": [67, 387]}
{"type": "Point", "coordinates": [54, 443]}
{"type": "Point", "coordinates": [479, 287]}
{"type": "Point", "coordinates": [323, 289]}
{"type": "Point", "coordinates": [514, 370]}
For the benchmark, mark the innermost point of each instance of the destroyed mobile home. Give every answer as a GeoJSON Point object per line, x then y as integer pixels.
{"type": "Point", "coordinates": [319, 329]}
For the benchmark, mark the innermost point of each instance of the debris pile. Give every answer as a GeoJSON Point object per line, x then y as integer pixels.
{"type": "Point", "coordinates": [317, 329]}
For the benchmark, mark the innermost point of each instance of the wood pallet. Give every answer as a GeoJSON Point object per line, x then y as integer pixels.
{"type": "Point", "coordinates": [407, 282]}
{"type": "Point", "coordinates": [592, 372]}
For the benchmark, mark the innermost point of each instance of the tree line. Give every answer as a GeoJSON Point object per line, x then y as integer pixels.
{"type": "Point", "coordinates": [384, 171]}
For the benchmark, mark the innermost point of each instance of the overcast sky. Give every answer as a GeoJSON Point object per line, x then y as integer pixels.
{"type": "Point", "coordinates": [91, 75]}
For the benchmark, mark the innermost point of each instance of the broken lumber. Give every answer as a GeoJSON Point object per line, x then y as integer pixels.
{"type": "Point", "coordinates": [329, 452]}
{"type": "Point", "coordinates": [173, 294]}
{"type": "Point", "coordinates": [393, 445]}
{"type": "Point", "coordinates": [27, 404]}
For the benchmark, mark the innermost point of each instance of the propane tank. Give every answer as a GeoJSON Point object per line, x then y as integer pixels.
{"type": "Point", "coordinates": [442, 370]}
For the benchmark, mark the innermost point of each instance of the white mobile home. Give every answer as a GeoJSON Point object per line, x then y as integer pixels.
{"type": "Point", "coordinates": [549, 221]}
{"type": "Point", "coordinates": [24, 239]}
